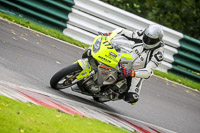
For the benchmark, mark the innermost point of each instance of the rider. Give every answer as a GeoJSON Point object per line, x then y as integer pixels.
{"type": "Point", "coordinates": [147, 49]}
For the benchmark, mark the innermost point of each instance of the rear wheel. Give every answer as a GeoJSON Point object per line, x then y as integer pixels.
{"type": "Point", "coordinates": [64, 78]}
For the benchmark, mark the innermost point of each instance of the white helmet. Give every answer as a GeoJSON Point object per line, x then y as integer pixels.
{"type": "Point", "coordinates": [152, 36]}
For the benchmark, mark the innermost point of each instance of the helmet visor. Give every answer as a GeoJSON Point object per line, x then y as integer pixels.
{"type": "Point", "coordinates": [150, 41]}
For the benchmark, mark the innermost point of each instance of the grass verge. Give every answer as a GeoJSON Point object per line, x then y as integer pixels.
{"type": "Point", "coordinates": [47, 31]}
{"type": "Point", "coordinates": [19, 117]}
{"type": "Point", "coordinates": [63, 37]}
{"type": "Point", "coordinates": [178, 79]}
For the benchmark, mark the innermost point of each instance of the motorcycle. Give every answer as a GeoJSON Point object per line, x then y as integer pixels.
{"type": "Point", "coordinates": [97, 74]}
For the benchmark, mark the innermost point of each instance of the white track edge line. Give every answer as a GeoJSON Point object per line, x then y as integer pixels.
{"type": "Point", "coordinates": [40, 33]}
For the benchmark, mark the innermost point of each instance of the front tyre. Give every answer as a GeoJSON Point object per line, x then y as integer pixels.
{"type": "Point", "coordinates": [64, 78]}
{"type": "Point", "coordinates": [101, 99]}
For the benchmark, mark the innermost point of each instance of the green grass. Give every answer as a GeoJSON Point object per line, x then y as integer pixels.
{"type": "Point", "coordinates": [19, 117]}
{"type": "Point", "coordinates": [47, 31]}
{"type": "Point", "coordinates": [63, 37]}
{"type": "Point", "coordinates": [178, 79]}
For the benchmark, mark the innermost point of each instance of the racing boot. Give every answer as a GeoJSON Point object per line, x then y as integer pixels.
{"type": "Point", "coordinates": [131, 97]}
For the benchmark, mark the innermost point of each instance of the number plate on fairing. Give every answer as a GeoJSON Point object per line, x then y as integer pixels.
{"type": "Point", "coordinates": [105, 53]}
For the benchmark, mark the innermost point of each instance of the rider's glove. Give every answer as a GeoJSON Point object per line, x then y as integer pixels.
{"type": "Point", "coordinates": [127, 72]}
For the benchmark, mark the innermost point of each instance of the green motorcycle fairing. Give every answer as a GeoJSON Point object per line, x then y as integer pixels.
{"type": "Point", "coordinates": [102, 51]}
{"type": "Point", "coordinates": [84, 64]}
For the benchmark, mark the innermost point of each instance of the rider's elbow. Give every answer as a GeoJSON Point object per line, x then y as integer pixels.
{"type": "Point", "coordinates": [143, 73]}
{"type": "Point", "coordinates": [149, 74]}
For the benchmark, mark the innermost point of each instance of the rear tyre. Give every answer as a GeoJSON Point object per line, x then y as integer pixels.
{"type": "Point", "coordinates": [63, 78]}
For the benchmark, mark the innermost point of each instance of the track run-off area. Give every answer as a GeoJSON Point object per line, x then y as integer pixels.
{"type": "Point", "coordinates": [28, 59]}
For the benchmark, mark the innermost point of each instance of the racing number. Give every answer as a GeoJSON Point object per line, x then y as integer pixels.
{"type": "Point", "coordinates": [109, 46]}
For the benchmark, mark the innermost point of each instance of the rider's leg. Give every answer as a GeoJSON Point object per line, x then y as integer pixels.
{"type": "Point", "coordinates": [132, 96]}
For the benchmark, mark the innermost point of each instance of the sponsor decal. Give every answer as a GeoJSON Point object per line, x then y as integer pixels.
{"type": "Point", "coordinates": [159, 56]}
{"type": "Point", "coordinates": [84, 73]}
{"type": "Point", "coordinates": [113, 54]}
{"type": "Point", "coordinates": [139, 54]}
{"type": "Point", "coordinates": [111, 57]}
{"type": "Point", "coordinates": [104, 59]}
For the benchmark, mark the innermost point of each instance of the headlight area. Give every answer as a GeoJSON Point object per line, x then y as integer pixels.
{"type": "Point", "coordinates": [97, 45]}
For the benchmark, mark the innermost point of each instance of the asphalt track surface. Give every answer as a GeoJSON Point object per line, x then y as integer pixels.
{"type": "Point", "coordinates": [30, 59]}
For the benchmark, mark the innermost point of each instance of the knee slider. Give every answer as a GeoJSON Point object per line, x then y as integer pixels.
{"type": "Point", "coordinates": [131, 97]}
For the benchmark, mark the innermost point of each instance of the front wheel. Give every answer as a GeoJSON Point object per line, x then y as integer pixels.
{"type": "Point", "coordinates": [101, 99]}
{"type": "Point", "coordinates": [64, 78]}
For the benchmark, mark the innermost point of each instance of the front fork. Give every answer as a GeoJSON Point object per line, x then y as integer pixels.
{"type": "Point", "coordinates": [87, 71]}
